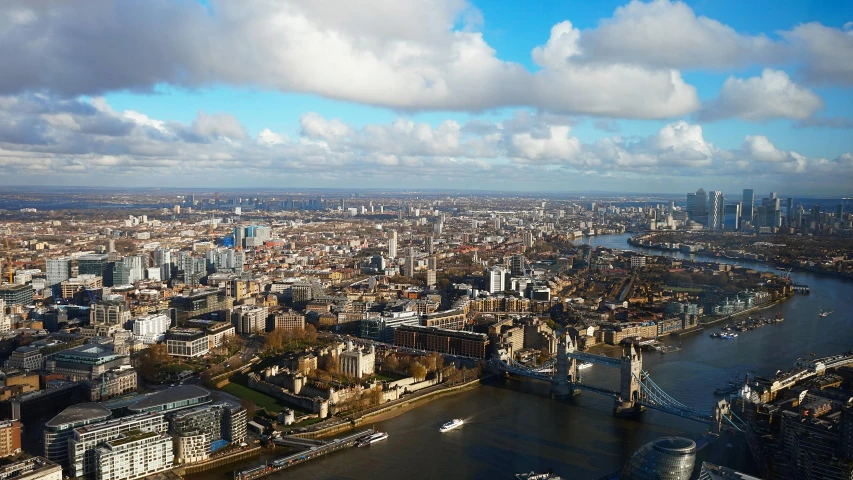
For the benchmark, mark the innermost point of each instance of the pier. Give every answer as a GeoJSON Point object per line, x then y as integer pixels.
{"type": "Point", "coordinates": [318, 449]}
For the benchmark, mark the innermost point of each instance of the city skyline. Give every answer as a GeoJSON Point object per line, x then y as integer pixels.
{"type": "Point", "coordinates": [611, 97]}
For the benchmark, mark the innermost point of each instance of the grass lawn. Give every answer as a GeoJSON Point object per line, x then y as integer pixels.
{"type": "Point", "coordinates": [387, 377]}
{"type": "Point", "coordinates": [270, 404]}
{"type": "Point", "coordinates": [684, 289]}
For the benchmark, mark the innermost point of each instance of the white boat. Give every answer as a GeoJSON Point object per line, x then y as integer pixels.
{"type": "Point", "coordinates": [456, 422]}
{"type": "Point", "coordinates": [824, 313]}
{"type": "Point", "coordinates": [537, 476]}
{"type": "Point", "coordinates": [584, 365]}
{"type": "Point", "coordinates": [372, 438]}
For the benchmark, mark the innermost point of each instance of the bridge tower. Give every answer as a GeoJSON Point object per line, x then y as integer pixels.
{"type": "Point", "coordinates": [560, 385]}
{"type": "Point", "coordinates": [629, 393]}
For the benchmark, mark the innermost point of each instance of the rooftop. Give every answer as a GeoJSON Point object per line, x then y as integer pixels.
{"type": "Point", "coordinates": [172, 398]}
{"type": "Point", "coordinates": [75, 414]}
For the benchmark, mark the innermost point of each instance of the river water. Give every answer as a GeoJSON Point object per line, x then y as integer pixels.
{"type": "Point", "coordinates": [512, 426]}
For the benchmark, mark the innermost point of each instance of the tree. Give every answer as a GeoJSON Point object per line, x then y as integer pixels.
{"type": "Point", "coordinates": [311, 334]}
{"type": "Point", "coordinates": [250, 407]}
{"type": "Point", "coordinates": [233, 343]}
{"type": "Point", "coordinates": [390, 364]}
{"type": "Point", "coordinates": [417, 371]}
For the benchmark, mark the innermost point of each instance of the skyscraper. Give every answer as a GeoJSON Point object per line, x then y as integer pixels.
{"type": "Point", "coordinates": [57, 270]}
{"type": "Point", "coordinates": [716, 207]}
{"type": "Point", "coordinates": [790, 210]}
{"type": "Point", "coordinates": [700, 211]}
{"type": "Point", "coordinates": [392, 244]}
{"type": "Point", "coordinates": [747, 209]}
{"type": "Point", "coordinates": [691, 205]}
{"type": "Point", "coordinates": [731, 219]}
{"type": "Point", "coordinates": [409, 263]}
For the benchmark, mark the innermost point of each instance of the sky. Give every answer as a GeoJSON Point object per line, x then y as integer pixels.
{"type": "Point", "coordinates": [636, 97]}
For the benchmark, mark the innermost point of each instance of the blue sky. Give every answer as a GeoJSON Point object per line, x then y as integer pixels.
{"type": "Point", "coordinates": [619, 95]}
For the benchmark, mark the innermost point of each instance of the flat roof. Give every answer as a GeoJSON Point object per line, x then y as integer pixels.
{"type": "Point", "coordinates": [169, 395]}
{"type": "Point", "coordinates": [79, 413]}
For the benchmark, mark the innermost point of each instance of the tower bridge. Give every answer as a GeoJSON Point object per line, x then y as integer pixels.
{"type": "Point", "coordinates": [636, 391]}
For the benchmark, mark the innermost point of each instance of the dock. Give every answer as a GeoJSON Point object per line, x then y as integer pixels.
{"type": "Point", "coordinates": [313, 451]}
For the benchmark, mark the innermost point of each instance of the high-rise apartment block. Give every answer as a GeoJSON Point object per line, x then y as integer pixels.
{"type": "Point", "coordinates": [392, 244]}
{"type": "Point", "coordinates": [84, 440]}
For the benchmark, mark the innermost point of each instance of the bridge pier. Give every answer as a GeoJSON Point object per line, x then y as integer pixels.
{"type": "Point", "coordinates": [566, 367]}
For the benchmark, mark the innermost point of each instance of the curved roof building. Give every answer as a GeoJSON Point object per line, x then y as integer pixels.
{"type": "Point", "coordinates": [173, 398]}
{"type": "Point", "coordinates": [59, 429]}
{"type": "Point", "coordinates": [667, 458]}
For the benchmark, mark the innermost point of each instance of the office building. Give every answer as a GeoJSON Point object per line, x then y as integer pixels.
{"type": "Point", "coordinates": [10, 438]}
{"type": "Point", "coordinates": [60, 428]}
{"type": "Point", "coordinates": [356, 361]}
{"type": "Point", "coordinates": [151, 328]}
{"type": "Point", "coordinates": [249, 319]}
{"type": "Point", "coordinates": [81, 283]}
{"type": "Point", "coordinates": [732, 216]}
{"type": "Point", "coordinates": [496, 279]}
{"type": "Point", "coordinates": [93, 264]}
{"type": "Point", "coordinates": [109, 312]}
{"type": "Point", "coordinates": [84, 440]}
{"type": "Point", "coordinates": [789, 211]}
{"type": "Point", "coordinates": [289, 320]}
{"type": "Point", "coordinates": [26, 358]}
{"type": "Point", "coordinates": [700, 210]}
{"type": "Point", "coordinates": [133, 455]}
{"type": "Point", "coordinates": [14, 294]}
{"type": "Point", "coordinates": [57, 270]}
{"type": "Point", "coordinates": [690, 206]}
{"type": "Point", "coordinates": [716, 210]}
{"type": "Point", "coordinates": [667, 458]}
{"type": "Point", "coordinates": [433, 339]}
{"type": "Point", "coordinates": [748, 204]}
{"type": "Point", "coordinates": [381, 327]}
{"type": "Point", "coordinates": [86, 362]}
{"type": "Point", "coordinates": [112, 383]}
{"type": "Point", "coordinates": [187, 342]}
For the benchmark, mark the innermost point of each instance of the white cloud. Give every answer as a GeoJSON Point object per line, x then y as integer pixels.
{"type": "Point", "coordinates": [402, 55]}
{"type": "Point", "coordinates": [556, 148]}
{"type": "Point", "coordinates": [92, 141]}
{"type": "Point", "coordinates": [218, 125]}
{"type": "Point", "coordinates": [827, 52]}
{"type": "Point", "coordinates": [668, 34]}
{"type": "Point", "coordinates": [772, 95]}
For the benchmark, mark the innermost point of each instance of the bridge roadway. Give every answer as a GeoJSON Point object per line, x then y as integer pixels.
{"type": "Point", "coordinates": [594, 358]}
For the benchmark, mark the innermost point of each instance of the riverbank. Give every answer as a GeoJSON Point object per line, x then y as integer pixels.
{"type": "Point", "coordinates": [389, 410]}
{"type": "Point", "coordinates": [763, 306]}
{"type": "Point", "coordinates": [717, 256]}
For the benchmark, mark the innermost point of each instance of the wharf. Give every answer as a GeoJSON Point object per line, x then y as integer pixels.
{"type": "Point", "coordinates": [301, 457]}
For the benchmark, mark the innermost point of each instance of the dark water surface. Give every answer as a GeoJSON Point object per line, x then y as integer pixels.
{"type": "Point", "coordinates": [513, 427]}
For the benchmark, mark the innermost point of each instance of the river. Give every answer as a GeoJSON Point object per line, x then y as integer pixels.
{"type": "Point", "coordinates": [513, 427]}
